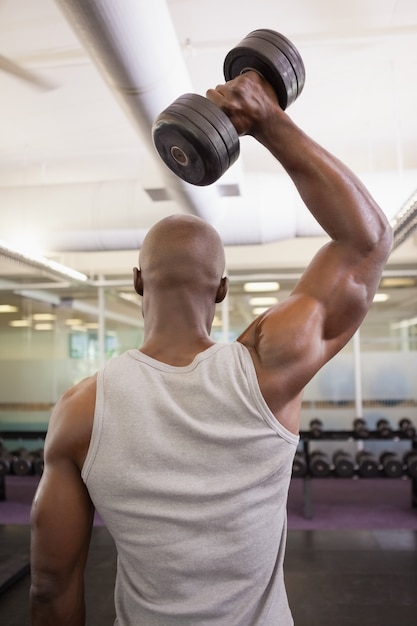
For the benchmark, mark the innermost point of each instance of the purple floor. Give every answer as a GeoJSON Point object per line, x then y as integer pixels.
{"type": "Point", "coordinates": [335, 503]}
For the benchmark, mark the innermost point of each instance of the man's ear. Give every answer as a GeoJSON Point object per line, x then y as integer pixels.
{"type": "Point", "coordinates": [222, 290]}
{"type": "Point", "coordinates": [137, 281]}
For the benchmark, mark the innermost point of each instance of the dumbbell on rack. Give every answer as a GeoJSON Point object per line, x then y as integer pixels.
{"type": "Point", "coordinates": [299, 466]}
{"type": "Point", "coordinates": [22, 462]}
{"type": "Point", "coordinates": [344, 465]}
{"type": "Point", "coordinates": [391, 463]}
{"type": "Point", "coordinates": [195, 138]}
{"type": "Point", "coordinates": [384, 429]}
{"type": "Point", "coordinates": [320, 465]}
{"type": "Point", "coordinates": [410, 462]}
{"type": "Point", "coordinates": [368, 466]}
{"type": "Point", "coordinates": [5, 462]}
{"type": "Point", "coordinates": [316, 428]}
{"type": "Point", "coordinates": [38, 461]}
{"type": "Point", "coordinates": [406, 428]}
{"type": "Point", "coordinates": [360, 428]}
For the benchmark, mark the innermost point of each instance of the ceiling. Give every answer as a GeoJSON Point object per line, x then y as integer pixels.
{"type": "Point", "coordinates": [78, 174]}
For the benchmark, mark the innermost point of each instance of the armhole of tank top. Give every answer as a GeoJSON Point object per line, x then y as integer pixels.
{"type": "Point", "coordinates": [96, 430]}
{"type": "Point", "coordinates": [264, 410]}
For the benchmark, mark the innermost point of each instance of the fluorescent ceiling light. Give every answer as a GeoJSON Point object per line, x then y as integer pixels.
{"type": "Point", "coordinates": [257, 287]}
{"type": "Point", "coordinates": [44, 317]}
{"type": "Point", "coordinates": [400, 281]}
{"type": "Point", "coordinates": [405, 323]}
{"type": "Point", "coordinates": [381, 297]}
{"type": "Point", "coordinates": [258, 310]}
{"type": "Point", "coordinates": [73, 321]}
{"type": "Point", "coordinates": [8, 308]}
{"type": "Point", "coordinates": [41, 262]}
{"type": "Point", "coordinates": [263, 301]}
{"type": "Point", "coordinates": [44, 326]}
{"type": "Point", "coordinates": [20, 323]}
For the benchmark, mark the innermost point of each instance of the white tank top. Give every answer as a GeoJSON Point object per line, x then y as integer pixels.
{"type": "Point", "coordinates": [189, 470]}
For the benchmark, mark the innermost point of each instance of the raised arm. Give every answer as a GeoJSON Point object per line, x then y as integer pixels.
{"type": "Point", "coordinates": [62, 514]}
{"type": "Point", "coordinates": [294, 339]}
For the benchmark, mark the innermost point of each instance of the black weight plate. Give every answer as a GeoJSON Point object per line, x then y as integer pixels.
{"type": "Point", "coordinates": [219, 121]}
{"type": "Point", "coordinates": [270, 62]}
{"type": "Point", "coordinates": [275, 51]}
{"type": "Point", "coordinates": [271, 54]}
{"type": "Point", "coordinates": [288, 48]}
{"type": "Point", "coordinates": [179, 144]}
{"type": "Point", "coordinates": [209, 137]}
{"type": "Point", "coordinates": [344, 468]}
{"type": "Point", "coordinates": [189, 145]}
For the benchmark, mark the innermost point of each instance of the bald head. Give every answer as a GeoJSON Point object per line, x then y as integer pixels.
{"type": "Point", "coordinates": [182, 250]}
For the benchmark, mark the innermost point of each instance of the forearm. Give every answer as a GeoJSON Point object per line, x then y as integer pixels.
{"type": "Point", "coordinates": [333, 194]}
{"type": "Point", "coordinates": [49, 606]}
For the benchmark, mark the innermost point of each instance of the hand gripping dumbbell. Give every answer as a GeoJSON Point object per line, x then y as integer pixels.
{"type": "Point", "coordinates": [195, 138]}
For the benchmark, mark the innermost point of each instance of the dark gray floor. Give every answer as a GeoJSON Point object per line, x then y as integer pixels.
{"type": "Point", "coordinates": [334, 578]}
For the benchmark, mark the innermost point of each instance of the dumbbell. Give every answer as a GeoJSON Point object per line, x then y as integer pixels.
{"type": "Point", "coordinates": [360, 429]}
{"type": "Point", "coordinates": [5, 462]}
{"type": "Point", "coordinates": [410, 461]}
{"type": "Point", "coordinates": [37, 461]}
{"type": "Point", "coordinates": [384, 429]}
{"type": "Point", "coordinates": [316, 428]}
{"type": "Point", "coordinates": [195, 138]}
{"type": "Point", "coordinates": [320, 465]}
{"type": "Point", "coordinates": [406, 427]}
{"type": "Point", "coordinates": [299, 465]}
{"type": "Point", "coordinates": [22, 462]}
{"type": "Point", "coordinates": [391, 464]}
{"type": "Point", "coordinates": [344, 465]}
{"type": "Point", "coordinates": [368, 466]}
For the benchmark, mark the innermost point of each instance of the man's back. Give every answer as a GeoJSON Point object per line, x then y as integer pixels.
{"type": "Point", "coordinates": [190, 471]}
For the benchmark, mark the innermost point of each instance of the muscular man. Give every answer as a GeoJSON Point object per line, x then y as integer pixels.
{"type": "Point", "coordinates": [184, 446]}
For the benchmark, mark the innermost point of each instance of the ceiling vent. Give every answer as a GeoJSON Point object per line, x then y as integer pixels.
{"type": "Point", "coordinates": [159, 194]}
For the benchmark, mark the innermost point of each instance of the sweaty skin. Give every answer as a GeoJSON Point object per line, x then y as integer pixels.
{"type": "Point", "coordinates": [181, 279]}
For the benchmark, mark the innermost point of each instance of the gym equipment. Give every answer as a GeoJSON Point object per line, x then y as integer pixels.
{"type": "Point", "coordinates": [5, 462]}
{"type": "Point", "coordinates": [195, 138]}
{"type": "Point", "coordinates": [37, 461]}
{"type": "Point", "coordinates": [384, 429]}
{"type": "Point", "coordinates": [410, 461]}
{"type": "Point", "coordinates": [406, 427]}
{"type": "Point", "coordinates": [316, 428]}
{"type": "Point", "coordinates": [344, 465]}
{"type": "Point", "coordinates": [22, 462]}
{"type": "Point", "coordinates": [368, 466]}
{"type": "Point", "coordinates": [319, 465]}
{"type": "Point", "coordinates": [360, 429]}
{"type": "Point", "coordinates": [391, 464]}
{"type": "Point", "coordinates": [299, 466]}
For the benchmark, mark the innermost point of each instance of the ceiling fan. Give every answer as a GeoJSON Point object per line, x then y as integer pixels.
{"type": "Point", "coordinates": [21, 73]}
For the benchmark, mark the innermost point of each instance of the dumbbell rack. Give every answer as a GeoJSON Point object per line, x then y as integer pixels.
{"type": "Point", "coordinates": [28, 435]}
{"type": "Point", "coordinates": [306, 437]}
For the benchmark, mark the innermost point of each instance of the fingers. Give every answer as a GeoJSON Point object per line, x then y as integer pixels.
{"type": "Point", "coordinates": [246, 100]}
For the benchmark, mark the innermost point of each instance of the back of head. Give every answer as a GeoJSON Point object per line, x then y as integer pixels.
{"type": "Point", "coordinates": [182, 251]}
